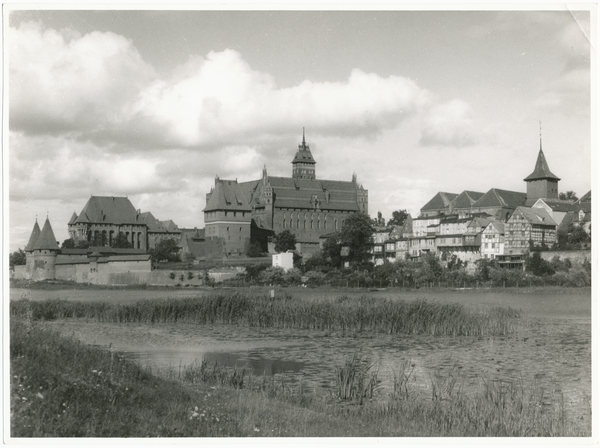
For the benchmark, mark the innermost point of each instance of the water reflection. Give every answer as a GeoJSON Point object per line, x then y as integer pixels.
{"type": "Point", "coordinates": [257, 362]}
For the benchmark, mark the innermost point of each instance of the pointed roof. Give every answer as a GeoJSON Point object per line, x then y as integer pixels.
{"type": "Point", "coordinates": [541, 170]}
{"type": "Point", "coordinates": [536, 215]}
{"type": "Point", "coordinates": [586, 197]}
{"type": "Point", "coordinates": [35, 233]}
{"type": "Point", "coordinates": [46, 240]}
{"type": "Point", "coordinates": [303, 155]}
{"type": "Point", "coordinates": [439, 201]}
{"type": "Point", "coordinates": [466, 199]}
{"type": "Point", "coordinates": [501, 198]}
{"type": "Point", "coordinates": [227, 195]}
{"type": "Point", "coordinates": [108, 210]}
{"type": "Point", "coordinates": [73, 219]}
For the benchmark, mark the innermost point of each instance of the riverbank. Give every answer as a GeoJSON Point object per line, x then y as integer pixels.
{"type": "Point", "coordinates": [104, 395]}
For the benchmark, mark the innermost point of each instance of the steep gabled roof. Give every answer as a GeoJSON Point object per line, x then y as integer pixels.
{"type": "Point", "coordinates": [558, 205]}
{"type": "Point", "coordinates": [541, 170]}
{"type": "Point", "coordinates": [73, 219]}
{"type": "Point", "coordinates": [586, 197]}
{"type": "Point", "coordinates": [303, 155]}
{"type": "Point", "coordinates": [536, 215]}
{"type": "Point", "coordinates": [35, 234]}
{"type": "Point", "coordinates": [439, 201]}
{"type": "Point", "coordinates": [227, 195]}
{"type": "Point", "coordinates": [169, 225]}
{"type": "Point", "coordinates": [466, 199]}
{"type": "Point", "coordinates": [501, 198]}
{"type": "Point", "coordinates": [498, 225]}
{"type": "Point", "coordinates": [46, 240]}
{"type": "Point", "coordinates": [108, 210]}
{"type": "Point", "coordinates": [149, 219]}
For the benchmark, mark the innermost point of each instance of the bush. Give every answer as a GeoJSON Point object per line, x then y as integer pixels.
{"type": "Point", "coordinates": [315, 278]}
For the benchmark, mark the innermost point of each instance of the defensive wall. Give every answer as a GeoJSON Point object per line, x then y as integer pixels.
{"type": "Point", "coordinates": [578, 256]}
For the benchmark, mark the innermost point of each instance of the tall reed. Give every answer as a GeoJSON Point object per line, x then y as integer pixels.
{"type": "Point", "coordinates": [342, 314]}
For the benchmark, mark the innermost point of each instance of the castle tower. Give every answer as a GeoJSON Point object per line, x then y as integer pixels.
{"type": "Point", "coordinates": [542, 183]}
{"type": "Point", "coordinates": [35, 234]}
{"type": "Point", "coordinates": [303, 165]}
{"type": "Point", "coordinates": [44, 253]}
{"type": "Point", "coordinates": [267, 197]}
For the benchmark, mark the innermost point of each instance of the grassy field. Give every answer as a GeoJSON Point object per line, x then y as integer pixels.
{"type": "Point", "coordinates": [62, 388]}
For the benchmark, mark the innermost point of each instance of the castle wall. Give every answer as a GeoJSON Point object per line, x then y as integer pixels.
{"type": "Point", "coordinates": [578, 256]}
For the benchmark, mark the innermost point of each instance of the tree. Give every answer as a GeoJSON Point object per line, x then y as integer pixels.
{"type": "Point", "coordinates": [568, 196]}
{"type": "Point", "coordinates": [285, 241]}
{"type": "Point", "coordinates": [69, 243]}
{"type": "Point", "coordinates": [537, 265]}
{"type": "Point", "coordinates": [17, 258]}
{"type": "Point", "coordinates": [379, 221]}
{"type": "Point", "coordinates": [166, 249]}
{"type": "Point", "coordinates": [357, 234]}
{"type": "Point", "coordinates": [83, 245]}
{"type": "Point", "coordinates": [254, 250]}
{"type": "Point", "coordinates": [121, 242]}
{"type": "Point", "coordinates": [398, 218]}
{"type": "Point", "coordinates": [331, 250]}
{"type": "Point", "coordinates": [577, 235]}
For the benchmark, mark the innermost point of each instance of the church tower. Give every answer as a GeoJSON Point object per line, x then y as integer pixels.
{"type": "Point", "coordinates": [542, 183]}
{"type": "Point", "coordinates": [303, 165]}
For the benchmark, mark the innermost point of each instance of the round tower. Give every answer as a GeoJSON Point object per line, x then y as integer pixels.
{"type": "Point", "coordinates": [44, 253]}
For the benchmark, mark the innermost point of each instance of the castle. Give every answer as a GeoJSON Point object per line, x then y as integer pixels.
{"type": "Point", "coordinates": [240, 213]}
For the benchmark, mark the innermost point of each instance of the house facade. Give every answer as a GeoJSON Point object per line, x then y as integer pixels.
{"type": "Point", "coordinates": [492, 240]}
{"type": "Point", "coordinates": [528, 228]}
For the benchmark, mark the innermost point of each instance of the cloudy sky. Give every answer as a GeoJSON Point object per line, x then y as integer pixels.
{"type": "Point", "coordinates": [154, 104]}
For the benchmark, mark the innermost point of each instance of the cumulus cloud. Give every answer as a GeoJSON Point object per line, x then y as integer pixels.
{"type": "Point", "coordinates": [97, 87]}
{"type": "Point", "coordinates": [449, 124]}
{"type": "Point", "coordinates": [62, 81]}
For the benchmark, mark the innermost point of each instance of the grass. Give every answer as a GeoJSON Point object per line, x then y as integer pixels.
{"type": "Point", "coordinates": [343, 314]}
{"type": "Point", "coordinates": [62, 388]}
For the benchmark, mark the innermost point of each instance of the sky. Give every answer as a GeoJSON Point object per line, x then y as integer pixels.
{"type": "Point", "coordinates": [153, 105]}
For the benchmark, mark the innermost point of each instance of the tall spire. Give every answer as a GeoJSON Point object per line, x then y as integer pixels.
{"type": "Point", "coordinates": [541, 170]}
{"type": "Point", "coordinates": [303, 165]}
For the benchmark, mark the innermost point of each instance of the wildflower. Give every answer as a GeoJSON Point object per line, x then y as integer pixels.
{"type": "Point", "coordinates": [196, 408]}
{"type": "Point", "coordinates": [256, 430]}
{"type": "Point", "coordinates": [39, 395]}
{"type": "Point", "coordinates": [94, 371]}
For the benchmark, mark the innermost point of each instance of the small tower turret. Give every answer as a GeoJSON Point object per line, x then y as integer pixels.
{"type": "Point", "coordinates": [303, 165]}
{"type": "Point", "coordinates": [542, 183]}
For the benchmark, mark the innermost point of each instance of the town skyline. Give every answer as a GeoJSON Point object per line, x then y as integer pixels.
{"type": "Point", "coordinates": [171, 99]}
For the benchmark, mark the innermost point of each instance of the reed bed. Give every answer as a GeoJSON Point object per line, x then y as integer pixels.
{"type": "Point", "coordinates": [342, 314]}
{"type": "Point", "coordinates": [62, 388]}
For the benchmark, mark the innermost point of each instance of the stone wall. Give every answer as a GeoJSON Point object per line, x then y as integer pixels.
{"type": "Point", "coordinates": [574, 255]}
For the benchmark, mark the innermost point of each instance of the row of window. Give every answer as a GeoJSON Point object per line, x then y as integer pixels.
{"type": "Point", "coordinates": [227, 213]}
